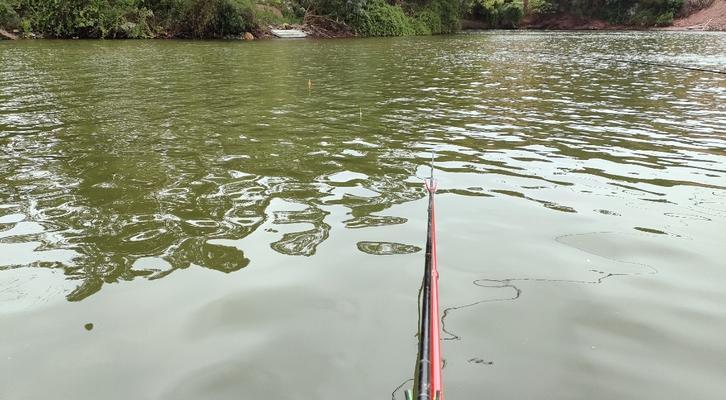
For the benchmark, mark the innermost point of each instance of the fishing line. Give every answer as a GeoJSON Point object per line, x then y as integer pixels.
{"type": "Point", "coordinates": [507, 283]}
{"type": "Point", "coordinates": [399, 387]}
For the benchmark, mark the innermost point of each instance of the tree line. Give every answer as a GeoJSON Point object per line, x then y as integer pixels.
{"type": "Point", "coordinates": [230, 18]}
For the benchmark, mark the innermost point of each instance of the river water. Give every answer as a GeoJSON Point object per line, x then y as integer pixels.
{"type": "Point", "coordinates": [229, 220]}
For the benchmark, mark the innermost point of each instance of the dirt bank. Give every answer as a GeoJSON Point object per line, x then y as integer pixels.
{"type": "Point", "coordinates": [712, 18]}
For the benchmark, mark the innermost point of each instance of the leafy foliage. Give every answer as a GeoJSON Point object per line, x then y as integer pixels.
{"type": "Point", "coordinates": [629, 12]}
{"type": "Point", "coordinates": [691, 6]}
{"type": "Point", "coordinates": [91, 18]}
{"type": "Point", "coordinates": [450, 12]}
{"type": "Point", "coordinates": [497, 13]}
{"type": "Point", "coordinates": [8, 16]}
{"type": "Point", "coordinates": [427, 22]}
{"type": "Point", "coordinates": [224, 18]}
{"type": "Point", "coordinates": [379, 18]}
{"type": "Point", "coordinates": [217, 18]}
{"type": "Point", "coordinates": [542, 7]}
{"type": "Point", "coordinates": [341, 9]}
{"type": "Point", "coordinates": [129, 18]}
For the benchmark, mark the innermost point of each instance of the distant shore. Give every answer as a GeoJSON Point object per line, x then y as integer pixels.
{"type": "Point", "coordinates": [711, 18]}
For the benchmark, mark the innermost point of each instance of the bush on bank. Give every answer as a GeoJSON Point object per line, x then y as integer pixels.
{"type": "Point", "coordinates": [220, 18]}
{"type": "Point", "coordinates": [643, 13]}
{"type": "Point", "coordinates": [379, 18]}
{"type": "Point", "coordinates": [128, 18]}
{"type": "Point", "coordinates": [227, 18]}
{"type": "Point", "coordinates": [8, 16]}
{"type": "Point", "coordinates": [79, 18]}
{"type": "Point", "coordinates": [216, 18]}
{"type": "Point", "coordinates": [626, 12]}
{"type": "Point", "coordinates": [391, 18]}
{"type": "Point", "coordinates": [497, 13]}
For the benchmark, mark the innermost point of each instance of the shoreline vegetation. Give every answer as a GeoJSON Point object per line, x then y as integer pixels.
{"type": "Point", "coordinates": [250, 19]}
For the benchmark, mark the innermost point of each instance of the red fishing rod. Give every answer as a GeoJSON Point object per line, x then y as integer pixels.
{"type": "Point", "coordinates": [428, 380]}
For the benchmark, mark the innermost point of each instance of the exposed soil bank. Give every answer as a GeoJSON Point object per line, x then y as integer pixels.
{"type": "Point", "coordinates": [712, 18]}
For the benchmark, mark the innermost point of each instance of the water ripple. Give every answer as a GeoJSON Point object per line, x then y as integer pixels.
{"type": "Point", "coordinates": [113, 173]}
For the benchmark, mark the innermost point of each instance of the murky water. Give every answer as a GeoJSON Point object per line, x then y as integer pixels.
{"type": "Point", "coordinates": [223, 220]}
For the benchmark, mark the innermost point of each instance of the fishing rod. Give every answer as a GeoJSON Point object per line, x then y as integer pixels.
{"type": "Point", "coordinates": [428, 377]}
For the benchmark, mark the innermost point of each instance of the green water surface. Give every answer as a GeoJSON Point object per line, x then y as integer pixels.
{"type": "Point", "coordinates": [232, 220]}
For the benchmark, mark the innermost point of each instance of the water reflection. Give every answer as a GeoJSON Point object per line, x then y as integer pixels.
{"type": "Point", "coordinates": [128, 160]}
{"type": "Point", "coordinates": [387, 248]}
{"type": "Point", "coordinates": [301, 243]}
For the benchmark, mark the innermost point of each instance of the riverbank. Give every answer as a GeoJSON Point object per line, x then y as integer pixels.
{"type": "Point", "coordinates": [225, 19]}
{"type": "Point", "coordinates": [249, 20]}
{"type": "Point", "coordinates": [709, 19]}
